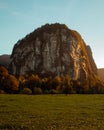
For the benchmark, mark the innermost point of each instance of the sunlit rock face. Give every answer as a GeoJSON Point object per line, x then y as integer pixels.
{"type": "Point", "coordinates": [53, 50]}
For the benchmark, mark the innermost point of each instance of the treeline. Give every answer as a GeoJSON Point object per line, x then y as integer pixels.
{"type": "Point", "coordinates": [33, 84]}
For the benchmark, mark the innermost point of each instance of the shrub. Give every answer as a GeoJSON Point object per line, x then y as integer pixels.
{"type": "Point", "coordinates": [26, 91]}
{"type": "Point", "coordinates": [53, 91]}
{"type": "Point", "coordinates": [68, 90]}
{"type": "Point", "coordinates": [2, 92]}
{"type": "Point", "coordinates": [46, 92]}
{"type": "Point", "coordinates": [37, 90]}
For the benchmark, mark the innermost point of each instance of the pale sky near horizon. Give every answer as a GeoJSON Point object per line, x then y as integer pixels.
{"type": "Point", "coordinates": [20, 17]}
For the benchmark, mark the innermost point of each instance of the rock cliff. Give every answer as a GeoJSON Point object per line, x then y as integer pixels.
{"type": "Point", "coordinates": [53, 50]}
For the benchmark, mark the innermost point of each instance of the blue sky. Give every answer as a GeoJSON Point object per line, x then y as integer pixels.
{"type": "Point", "coordinates": [20, 17]}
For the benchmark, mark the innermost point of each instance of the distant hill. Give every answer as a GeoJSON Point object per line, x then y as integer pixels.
{"type": "Point", "coordinates": [101, 73]}
{"type": "Point", "coordinates": [5, 60]}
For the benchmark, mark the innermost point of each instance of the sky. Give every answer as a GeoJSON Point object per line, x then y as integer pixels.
{"type": "Point", "coordinates": [20, 17]}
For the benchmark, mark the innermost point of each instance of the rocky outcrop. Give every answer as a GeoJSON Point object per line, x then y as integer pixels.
{"type": "Point", "coordinates": [92, 62]}
{"type": "Point", "coordinates": [53, 50]}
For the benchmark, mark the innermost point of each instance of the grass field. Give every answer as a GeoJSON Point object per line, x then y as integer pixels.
{"type": "Point", "coordinates": [51, 112]}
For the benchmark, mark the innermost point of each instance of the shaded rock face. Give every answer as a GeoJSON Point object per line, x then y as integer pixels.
{"type": "Point", "coordinates": [53, 50]}
{"type": "Point", "coordinates": [92, 62]}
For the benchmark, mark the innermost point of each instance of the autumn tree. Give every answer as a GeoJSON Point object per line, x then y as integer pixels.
{"type": "Point", "coordinates": [3, 71]}
{"type": "Point", "coordinates": [56, 83]}
{"type": "Point", "coordinates": [3, 74]}
{"type": "Point", "coordinates": [67, 85]}
{"type": "Point", "coordinates": [10, 84]}
{"type": "Point", "coordinates": [47, 83]}
{"type": "Point", "coordinates": [44, 84]}
{"type": "Point", "coordinates": [33, 81]}
{"type": "Point", "coordinates": [81, 87]}
{"type": "Point", "coordinates": [23, 79]}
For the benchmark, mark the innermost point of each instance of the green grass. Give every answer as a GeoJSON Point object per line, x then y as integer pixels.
{"type": "Point", "coordinates": [51, 112]}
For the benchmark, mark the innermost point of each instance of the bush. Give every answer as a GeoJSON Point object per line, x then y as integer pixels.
{"type": "Point", "coordinates": [46, 92]}
{"type": "Point", "coordinates": [2, 92]}
{"type": "Point", "coordinates": [37, 90]}
{"type": "Point", "coordinates": [68, 90]}
{"type": "Point", "coordinates": [26, 91]}
{"type": "Point", "coordinates": [53, 91]}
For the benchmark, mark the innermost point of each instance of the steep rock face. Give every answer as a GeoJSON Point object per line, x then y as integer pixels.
{"type": "Point", "coordinates": [92, 62]}
{"type": "Point", "coordinates": [53, 50]}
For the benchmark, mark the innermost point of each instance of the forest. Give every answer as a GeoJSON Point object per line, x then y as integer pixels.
{"type": "Point", "coordinates": [33, 84]}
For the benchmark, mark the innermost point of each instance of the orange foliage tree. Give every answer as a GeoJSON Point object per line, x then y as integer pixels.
{"type": "Point", "coordinates": [3, 72]}
{"type": "Point", "coordinates": [33, 81]}
{"type": "Point", "coordinates": [10, 84]}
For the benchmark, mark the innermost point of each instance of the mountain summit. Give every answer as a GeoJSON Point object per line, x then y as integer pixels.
{"type": "Point", "coordinates": [53, 50]}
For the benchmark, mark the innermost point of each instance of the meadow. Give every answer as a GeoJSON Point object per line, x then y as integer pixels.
{"type": "Point", "coordinates": [51, 112]}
